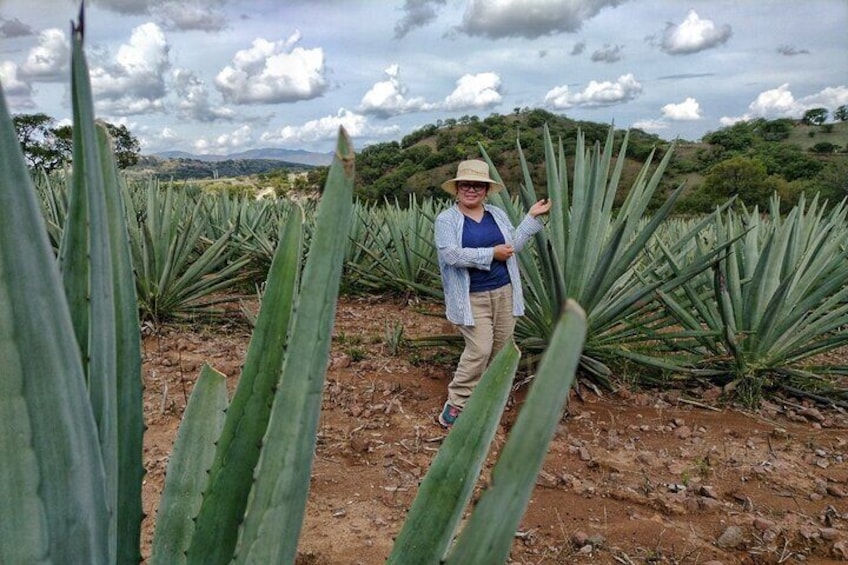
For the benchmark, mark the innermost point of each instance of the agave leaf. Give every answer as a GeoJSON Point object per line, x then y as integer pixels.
{"type": "Point", "coordinates": [446, 489]}
{"type": "Point", "coordinates": [488, 535]}
{"type": "Point", "coordinates": [278, 500]}
{"type": "Point", "coordinates": [188, 466]}
{"type": "Point", "coordinates": [130, 418]}
{"type": "Point", "coordinates": [225, 497]}
{"type": "Point", "coordinates": [86, 263]}
{"type": "Point", "coordinates": [51, 483]}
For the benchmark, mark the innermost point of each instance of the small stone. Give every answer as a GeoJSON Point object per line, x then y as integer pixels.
{"type": "Point", "coordinates": [836, 490]}
{"type": "Point", "coordinates": [579, 538]}
{"type": "Point", "coordinates": [731, 538]}
{"type": "Point", "coordinates": [709, 504]}
{"type": "Point", "coordinates": [707, 491]}
{"type": "Point", "coordinates": [546, 479]}
{"type": "Point", "coordinates": [762, 524]}
{"type": "Point", "coordinates": [829, 534]}
{"type": "Point", "coordinates": [840, 550]}
{"type": "Point", "coordinates": [683, 432]}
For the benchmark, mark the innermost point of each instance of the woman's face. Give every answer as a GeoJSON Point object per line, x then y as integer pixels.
{"type": "Point", "coordinates": [471, 193]}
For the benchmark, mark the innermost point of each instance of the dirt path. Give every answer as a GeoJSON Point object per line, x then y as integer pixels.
{"type": "Point", "coordinates": [630, 477]}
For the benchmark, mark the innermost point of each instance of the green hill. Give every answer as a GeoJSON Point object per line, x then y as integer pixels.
{"type": "Point", "coordinates": [778, 155]}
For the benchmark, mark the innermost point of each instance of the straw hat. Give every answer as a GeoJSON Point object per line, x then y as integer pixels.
{"type": "Point", "coordinates": [473, 170]}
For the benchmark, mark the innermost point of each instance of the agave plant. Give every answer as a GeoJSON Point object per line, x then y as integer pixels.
{"type": "Point", "coordinates": [398, 255]}
{"type": "Point", "coordinates": [780, 297]}
{"type": "Point", "coordinates": [593, 254]}
{"type": "Point", "coordinates": [71, 355]}
{"type": "Point", "coordinates": [178, 269]}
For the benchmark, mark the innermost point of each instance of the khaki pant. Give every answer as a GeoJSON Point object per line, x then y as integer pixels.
{"type": "Point", "coordinates": [493, 327]}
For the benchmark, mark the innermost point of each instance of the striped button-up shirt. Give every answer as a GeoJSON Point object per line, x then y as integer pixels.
{"type": "Point", "coordinates": [454, 260]}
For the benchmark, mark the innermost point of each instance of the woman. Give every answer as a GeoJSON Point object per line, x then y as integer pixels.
{"type": "Point", "coordinates": [476, 244]}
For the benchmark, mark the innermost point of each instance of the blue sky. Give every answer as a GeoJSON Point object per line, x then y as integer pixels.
{"type": "Point", "coordinates": [222, 76]}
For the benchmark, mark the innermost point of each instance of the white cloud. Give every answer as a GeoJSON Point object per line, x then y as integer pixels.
{"type": "Point", "coordinates": [134, 83]}
{"type": "Point", "coordinates": [388, 98]}
{"type": "Point", "coordinates": [327, 128]}
{"type": "Point", "coordinates": [693, 35]}
{"type": "Point", "coordinates": [781, 103]}
{"type": "Point", "coordinates": [17, 92]}
{"type": "Point", "coordinates": [232, 142]}
{"type": "Point", "coordinates": [831, 98]}
{"type": "Point", "coordinates": [474, 92]}
{"type": "Point", "coordinates": [596, 94]}
{"type": "Point", "coordinates": [49, 61]}
{"type": "Point", "coordinates": [687, 110]}
{"type": "Point", "coordinates": [194, 101]}
{"type": "Point", "coordinates": [528, 18]}
{"type": "Point", "coordinates": [271, 72]}
{"type": "Point", "coordinates": [650, 125]}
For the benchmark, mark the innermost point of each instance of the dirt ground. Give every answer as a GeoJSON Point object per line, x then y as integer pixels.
{"type": "Point", "coordinates": [631, 476]}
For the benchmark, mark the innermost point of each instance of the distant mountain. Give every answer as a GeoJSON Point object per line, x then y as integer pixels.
{"type": "Point", "coordinates": [265, 153]}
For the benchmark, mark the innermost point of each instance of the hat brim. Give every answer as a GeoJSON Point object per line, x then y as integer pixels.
{"type": "Point", "coordinates": [450, 186]}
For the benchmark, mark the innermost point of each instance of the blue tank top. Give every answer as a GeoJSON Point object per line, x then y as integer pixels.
{"type": "Point", "coordinates": [485, 234]}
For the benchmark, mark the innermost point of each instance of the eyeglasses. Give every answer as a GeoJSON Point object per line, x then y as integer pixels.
{"type": "Point", "coordinates": [475, 187]}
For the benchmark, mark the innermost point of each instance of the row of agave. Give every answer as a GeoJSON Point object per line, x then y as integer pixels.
{"type": "Point", "coordinates": [238, 477]}
{"type": "Point", "coordinates": [745, 299]}
{"type": "Point", "coordinates": [742, 298]}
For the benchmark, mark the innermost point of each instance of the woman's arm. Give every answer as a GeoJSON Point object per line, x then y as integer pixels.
{"type": "Point", "coordinates": [449, 246]}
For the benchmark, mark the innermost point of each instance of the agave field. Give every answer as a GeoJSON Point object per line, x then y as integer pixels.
{"type": "Point", "coordinates": [740, 308]}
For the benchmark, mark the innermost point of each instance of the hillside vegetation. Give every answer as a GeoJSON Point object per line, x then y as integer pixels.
{"type": "Point", "coordinates": [750, 160]}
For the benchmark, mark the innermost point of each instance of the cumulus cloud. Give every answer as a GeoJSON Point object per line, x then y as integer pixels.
{"type": "Point", "coordinates": [388, 98]}
{"type": "Point", "coordinates": [234, 141]}
{"type": "Point", "coordinates": [194, 101]}
{"type": "Point", "coordinates": [688, 110]}
{"type": "Point", "coordinates": [417, 13]}
{"type": "Point", "coordinates": [49, 60]}
{"type": "Point", "coordinates": [271, 72]}
{"type": "Point", "coordinates": [693, 35]}
{"type": "Point", "coordinates": [528, 18]}
{"type": "Point", "coordinates": [18, 92]}
{"type": "Point", "coordinates": [790, 51]}
{"type": "Point", "coordinates": [781, 103]}
{"type": "Point", "coordinates": [14, 28]}
{"type": "Point", "coordinates": [327, 128]}
{"type": "Point", "coordinates": [134, 83]}
{"type": "Point", "coordinates": [191, 16]}
{"type": "Point", "coordinates": [608, 54]}
{"type": "Point", "coordinates": [475, 92]}
{"type": "Point", "coordinates": [596, 94]}
{"type": "Point", "coordinates": [650, 125]}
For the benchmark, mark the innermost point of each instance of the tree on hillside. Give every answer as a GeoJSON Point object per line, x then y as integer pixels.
{"type": "Point", "coordinates": [38, 141]}
{"type": "Point", "coordinates": [744, 177]}
{"type": "Point", "coordinates": [815, 116]}
{"type": "Point", "coordinates": [48, 148]}
{"type": "Point", "coordinates": [127, 148]}
{"type": "Point", "coordinates": [738, 137]}
{"type": "Point", "coordinates": [775, 130]}
{"type": "Point", "coordinates": [841, 113]}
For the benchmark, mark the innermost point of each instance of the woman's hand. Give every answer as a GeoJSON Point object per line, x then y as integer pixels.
{"type": "Point", "coordinates": [541, 207]}
{"type": "Point", "coordinates": [503, 251]}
